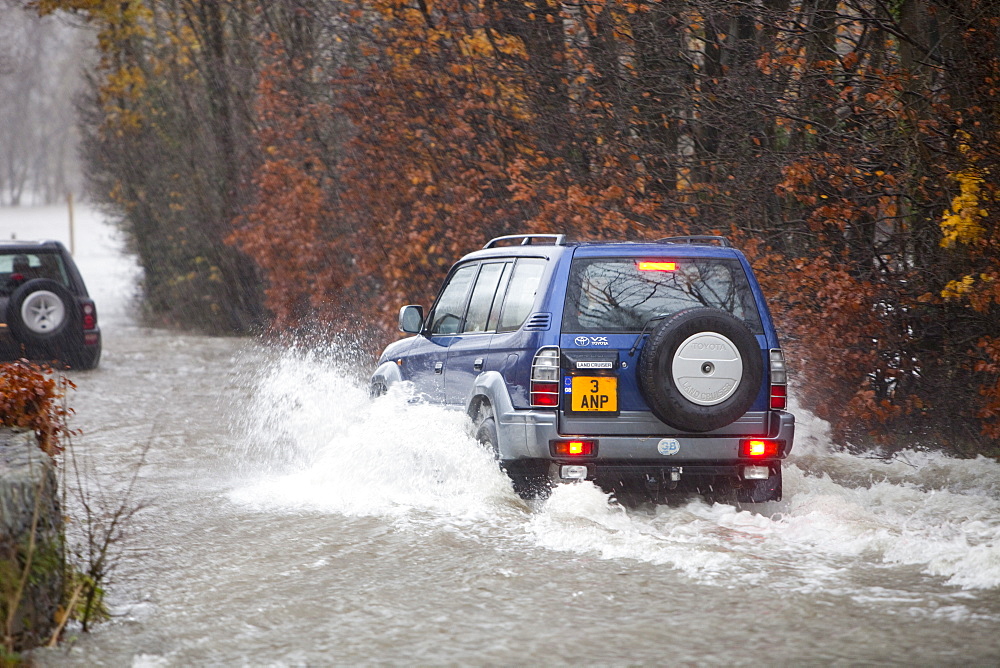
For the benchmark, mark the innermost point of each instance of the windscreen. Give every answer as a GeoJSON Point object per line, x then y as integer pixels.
{"type": "Point", "coordinates": [623, 294]}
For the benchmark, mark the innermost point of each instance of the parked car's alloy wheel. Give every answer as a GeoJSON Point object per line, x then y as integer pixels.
{"type": "Point", "coordinates": [700, 370]}
{"type": "Point", "coordinates": [42, 311]}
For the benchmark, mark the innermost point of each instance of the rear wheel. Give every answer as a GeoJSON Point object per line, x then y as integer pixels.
{"type": "Point", "coordinates": [761, 491]}
{"type": "Point", "coordinates": [529, 477]}
{"type": "Point", "coordinates": [83, 358]}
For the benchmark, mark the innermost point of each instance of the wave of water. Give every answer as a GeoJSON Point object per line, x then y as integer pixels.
{"type": "Point", "coordinates": [316, 441]}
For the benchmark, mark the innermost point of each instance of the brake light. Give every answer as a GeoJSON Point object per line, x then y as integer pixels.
{"type": "Point", "coordinates": [574, 448]}
{"type": "Point", "coordinates": [89, 316]}
{"type": "Point", "coordinates": [656, 266]}
{"type": "Point", "coordinates": [545, 378]}
{"type": "Point", "coordinates": [779, 396]}
{"type": "Point", "coordinates": [779, 380]}
{"type": "Point", "coordinates": [759, 448]}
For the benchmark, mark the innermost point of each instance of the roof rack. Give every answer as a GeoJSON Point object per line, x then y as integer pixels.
{"type": "Point", "coordinates": [697, 239]}
{"type": "Point", "coordinates": [557, 239]}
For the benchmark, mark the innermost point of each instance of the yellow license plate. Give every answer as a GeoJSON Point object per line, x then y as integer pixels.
{"type": "Point", "coordinates": [594, 394]}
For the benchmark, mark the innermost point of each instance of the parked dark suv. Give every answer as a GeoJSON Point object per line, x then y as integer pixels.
{"type": "Point", "coordinates": [45, 312]}
{"type": "Point", "coordinates": [645, 367]}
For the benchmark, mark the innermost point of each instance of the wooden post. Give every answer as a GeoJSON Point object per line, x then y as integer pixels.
{"type": "Point", "coordinates": [72, 231]}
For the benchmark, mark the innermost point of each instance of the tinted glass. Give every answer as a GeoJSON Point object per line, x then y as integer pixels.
{"type": "Point", "coordinates": [614, 295]}
{"type": "Point", "coordinates": [521, 293]}
{"type": "Point", "coordinates": [450, 306]}
{"type": "Point", "coordinates": [491, 326]}
{"type": "Point", "coordinates": [16, 268]}
{"type": "Point", "coordinates": [482, 297]}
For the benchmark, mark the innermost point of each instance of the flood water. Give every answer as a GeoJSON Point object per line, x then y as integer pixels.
{"type": "Point", "coordinates": [290, 520]}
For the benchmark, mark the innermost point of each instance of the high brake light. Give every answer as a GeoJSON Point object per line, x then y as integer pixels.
{"type": "Point", "coordinates": [656, 266]}
{"type": "Point", "coordinates": [545, 378]}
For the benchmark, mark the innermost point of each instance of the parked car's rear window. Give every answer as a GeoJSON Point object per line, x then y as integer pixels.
{"type": "Point", "coordinates": [616, 295]}
{"type": "Point", "coordinates": [17, 268]}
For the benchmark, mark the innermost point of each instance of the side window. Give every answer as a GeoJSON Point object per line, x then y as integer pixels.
{"type": "Point", "coordinates": [450, 307]}
{"type": "Point", "coordinates": [494, 321]}
{"type": "Point", "coordinates": [482, 297]}
{"type": "Point", "coordinates": [521, 293]}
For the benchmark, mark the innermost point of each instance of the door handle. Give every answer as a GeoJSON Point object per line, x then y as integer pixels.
{"type": "Point", "coordinates": [478, 364]}
{"type": "Point", "coordinates": [439, 367]}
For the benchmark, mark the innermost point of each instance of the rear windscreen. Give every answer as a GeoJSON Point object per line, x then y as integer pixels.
{"type": "Point", "coordinates": [623, 294]}
{"type": "Point", "coordinates": [18, 267]}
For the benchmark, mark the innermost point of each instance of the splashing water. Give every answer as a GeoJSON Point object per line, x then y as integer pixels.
{"type": "Point", "coordinates": [318, 442]}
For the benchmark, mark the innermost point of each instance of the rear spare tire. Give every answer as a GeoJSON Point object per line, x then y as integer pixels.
{"type": "Point", "coordinates": [700, 370]}
{"type": "Point", "coordinates": [42, 311]}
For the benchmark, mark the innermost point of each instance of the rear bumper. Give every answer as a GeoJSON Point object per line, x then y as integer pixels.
{"type": "Point", "coordinates": [89, 341]}
{"type": "Point", "coordinates": [527, 434]}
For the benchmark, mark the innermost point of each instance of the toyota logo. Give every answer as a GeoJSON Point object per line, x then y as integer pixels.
{"type": "Point", "coordinates": [581, 340]}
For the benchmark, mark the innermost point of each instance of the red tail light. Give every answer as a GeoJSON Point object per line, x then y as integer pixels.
{"type": "Point", "coordinates": [544, 394]}
{"type": "Point", "coordinates": [545, 378]}
{"type": "Point", "coordinates": [779, 378]}
{"type": "Point", "coordinates": [574, 448]}
{"type": "Point", "coordinates": [760, 448]}
{"type": "Point", "coordinates": [779, 396]}
{"type": "Point", "coordinates": [89, 316]}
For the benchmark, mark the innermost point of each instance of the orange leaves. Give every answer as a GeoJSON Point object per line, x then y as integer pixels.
{"type": "Point", "coordinates": [30, 398]}
{"type": "Point", "coordinates": [620, 119]}
{"type": "Point", "coordinates": [284, 230]}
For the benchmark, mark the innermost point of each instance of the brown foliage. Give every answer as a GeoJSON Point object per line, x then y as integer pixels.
{"type": "Point", "coordinates": [851, 145]}
{"type": "Point", "coordinates": [31, 398]}
{"type": "Point", "coordinates": [839, 144]}
{"type": "Point", "coordinates": [286, 227]}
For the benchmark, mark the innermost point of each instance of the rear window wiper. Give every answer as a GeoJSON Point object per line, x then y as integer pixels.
{"type": "Point", "coordinates": [631, 351]}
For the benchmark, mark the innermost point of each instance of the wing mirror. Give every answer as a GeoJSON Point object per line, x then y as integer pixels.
{"type": "Point", "coordinates": [411, 318]}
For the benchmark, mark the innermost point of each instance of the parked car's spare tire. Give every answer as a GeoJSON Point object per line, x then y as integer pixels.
{"type": "Point", "coordinates": [42, 311]}
{"type": "Point", "coordinates": [700, 370]}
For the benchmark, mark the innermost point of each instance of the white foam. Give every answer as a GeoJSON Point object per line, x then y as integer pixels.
{"type": "Point", "coordinates": [318, 442]}
{"type": "Point", "coordinates": [346, 453]}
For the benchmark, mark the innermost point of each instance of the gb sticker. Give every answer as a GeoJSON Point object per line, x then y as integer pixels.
{"type": "Point", "coordinates": [668, 446]}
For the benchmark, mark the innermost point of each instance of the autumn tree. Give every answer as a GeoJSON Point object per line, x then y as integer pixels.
{"type": "Point", "coordinates": [348, 152]}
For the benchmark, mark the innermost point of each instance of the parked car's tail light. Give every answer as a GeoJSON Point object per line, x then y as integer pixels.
{"type": "Point", "coordinates": [573, 448]}
{"type": "Point", "coordinates": [758, 448]}
{"type": "Point", "coordinates": [779, 379]}
{"type": "Point", "coordinates": [89, 316]}
{"type": "Point", "coordinates": [545, 377]}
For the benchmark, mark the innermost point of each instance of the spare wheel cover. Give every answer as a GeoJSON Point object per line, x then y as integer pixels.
{"type": "Point", "coordinates": [700, 369]}
{"type": "Point", "coordinates": [707, 368]}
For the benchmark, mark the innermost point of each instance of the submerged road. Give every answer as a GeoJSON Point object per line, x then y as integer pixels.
{"type": "Point", "coordinates": [287, 519]}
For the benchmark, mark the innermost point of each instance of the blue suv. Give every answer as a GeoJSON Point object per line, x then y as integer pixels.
{"type": "Point", "coordinates": [644, 367]}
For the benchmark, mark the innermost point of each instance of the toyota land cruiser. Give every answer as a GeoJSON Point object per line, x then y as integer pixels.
{"type": "Point", "coordinates": [639, 366]}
